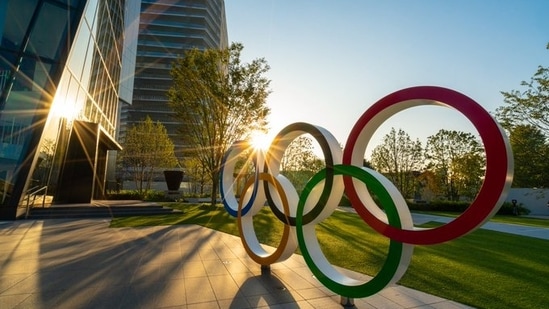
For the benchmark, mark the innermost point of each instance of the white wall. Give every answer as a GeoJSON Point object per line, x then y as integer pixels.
{"type": "Point", "coordinates": [536, 200]}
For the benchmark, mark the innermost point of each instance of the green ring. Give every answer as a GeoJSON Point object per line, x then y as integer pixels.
{"type": "Point", "coordinates": [393, 261]}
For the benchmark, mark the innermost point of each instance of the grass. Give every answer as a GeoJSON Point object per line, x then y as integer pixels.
{"type": "Point", "coordinates": [484, 269]}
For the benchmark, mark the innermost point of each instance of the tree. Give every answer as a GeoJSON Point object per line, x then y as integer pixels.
{"type": "Point", "coordinates": [528, 107]}
{"type": "Point", "coordinates": [299, 162]}
{"type": "Point", "coordinates": [196, 174]}
{"type": "Point", "coordinates": [218, 100]}
{"type": "Point", "coordinates": [530, 152]}
{"type": "Point", "coordinates": [399, 159]}
{"type": "Point", "coordinates": [146, 149]}
{"type": "Point", "coordinates": [456, 160]}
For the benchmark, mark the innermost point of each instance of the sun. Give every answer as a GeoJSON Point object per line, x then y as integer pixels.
{"type": "Point", "coordinates": [260, 140]}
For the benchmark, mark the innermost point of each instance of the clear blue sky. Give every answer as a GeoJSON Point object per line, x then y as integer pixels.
{"type": "Point", "coordinates": [330, 60]}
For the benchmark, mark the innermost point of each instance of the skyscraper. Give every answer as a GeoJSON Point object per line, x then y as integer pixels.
{"type": "Point", "coordinates": [60, 70]}
{"type": "Point", "coordinates": [167, 28]}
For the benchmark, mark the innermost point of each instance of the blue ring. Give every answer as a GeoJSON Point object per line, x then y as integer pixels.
{"type": "Point", "coordinates": [236, 148]}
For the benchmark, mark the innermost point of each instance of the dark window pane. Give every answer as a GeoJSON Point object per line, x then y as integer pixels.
{"type": "Point", "coordinates": [14, 24]}
{"type": "Point", "coordinates": [49, 33]}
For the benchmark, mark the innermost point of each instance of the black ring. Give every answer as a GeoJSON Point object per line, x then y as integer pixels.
{"type": "Point", "coordinates": [319, 137]}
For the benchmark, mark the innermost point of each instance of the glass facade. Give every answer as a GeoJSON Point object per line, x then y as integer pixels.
{"type": "Point", "coordinates": [60, 73]}
{"type": "Point", "coordinates": [166, 29]}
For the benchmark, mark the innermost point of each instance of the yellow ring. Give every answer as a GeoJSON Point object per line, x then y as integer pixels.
{"type": "Point", "coordinates": [288, 243]}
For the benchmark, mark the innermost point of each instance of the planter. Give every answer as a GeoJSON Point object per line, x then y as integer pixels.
{"type": "Point", "coordinates": [173, 179]}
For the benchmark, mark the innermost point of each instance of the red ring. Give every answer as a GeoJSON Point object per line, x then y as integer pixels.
{"type": "Point", "coordinates": [499, 162]}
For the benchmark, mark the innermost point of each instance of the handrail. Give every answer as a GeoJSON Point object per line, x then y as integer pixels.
{"type": "Point", "coordinates": [34, 192]}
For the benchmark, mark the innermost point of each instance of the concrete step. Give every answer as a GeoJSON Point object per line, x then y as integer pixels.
{"type": "Point", "coordinates": [59, 212]}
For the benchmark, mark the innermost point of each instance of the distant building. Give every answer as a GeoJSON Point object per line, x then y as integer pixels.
{"type": "Point", "coordinates": [61, 63]}
{"type": "Point", "coordinates": [167, 28]}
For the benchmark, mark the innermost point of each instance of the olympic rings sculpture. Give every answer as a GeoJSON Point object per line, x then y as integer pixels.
{"type": "Point", "coordinates": [344, 173]}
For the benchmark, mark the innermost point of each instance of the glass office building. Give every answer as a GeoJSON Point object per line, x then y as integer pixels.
{"type": "Point", "coordinates": [167, 28]}
{"type": "Point", "coordinates": [61, 64]}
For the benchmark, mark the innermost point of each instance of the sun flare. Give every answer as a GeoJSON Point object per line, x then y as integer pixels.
{"type": "Point", "coordinates": [260, 140]}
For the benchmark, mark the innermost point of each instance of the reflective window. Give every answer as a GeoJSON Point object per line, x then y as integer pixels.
{"type": "Point", "coordinates": [16, 21]}
{"type": "Point", "coordinates": [49, 34]}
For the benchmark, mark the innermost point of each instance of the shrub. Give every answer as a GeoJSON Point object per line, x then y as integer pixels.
{"type": "Point", "coordinates": [507, 209]}
{"type": "Point", "coordinates": [451, 206]}
{"type": "Point", "coordinates": [150, 195]}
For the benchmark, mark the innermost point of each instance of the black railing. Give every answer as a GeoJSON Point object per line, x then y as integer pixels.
{"type": "Point", "coordinates": [33, 193]}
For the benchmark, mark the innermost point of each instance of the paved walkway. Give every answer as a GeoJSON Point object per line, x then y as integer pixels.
{"type": "Point", "coordinates": [85, 264]}
{"type": "Point", "coordinates": [530, 231]}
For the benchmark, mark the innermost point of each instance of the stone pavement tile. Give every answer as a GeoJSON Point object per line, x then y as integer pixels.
{"type": "Point", "coordinates": [85, 264]}
{"type": "Point", "coordinates": [8, 281]}
{"type": "Point", "coordinates": [215, 267]}
{"type": "Point", "coordinates": [150, 254]}
{"type": "Point", "coordinates": [307, 275]}
{"type": "Point", "coordinates": [235, 265]}
{"type": "Point", "coordinates": [18, 228]}
{"type": "Point", "coordinates": [327, 291]}
{"type": "Point", "coordinates": [270, 300]}
{"type": "Point", "coordinates": [194, 269]}
{"type": "Point", "coordinates": [312, 293]}
{"type": "Point", "coordinates": [36, 301]}
{"type": "Point", "coordinates": [428, 298]}
{"type": "Point", "coordinates": [295, 261]}
{"type": "Point", "coordinates": [19, 248]}
{"type": "Point", "coordinates": [276, 292]}
{"type": "Point", "coordinates": [190, 255]}
{"type": "Point", "coordinates": [73, 298]}
{"type": "Point", "coordinates": [224, 286]}
{"type": "Point", "coordinates": [249, 285]}
{"type": "Point", "coordinates": [326, 302]}
{"type": "Point", "coordinates": [237, 249]}
{"type": "Point", "coordinates": [408, 298]}
{"type": "Point", "coordinates": [108, 297]}
{"type": "Point", "coordinates": [173, 294]}
{"type": "Point", "coordinates": [207, 253]}
{"type": "Point", "coordinates": [149, 272]}
{"type": "Point", "coordinates": [30, 284]}
{"type": "Point", "coordinates": [199, 290]}
{"type": "Point", "coordinates": [11, 301]}
{"type": "Point", "coordinates": [251, 266]}
{"type": "Point", "coordinates": [238, 302]}
{"type": "Point", "coordinates": [293, 279]}
{"type": "Point", "coordinates": [20, 267]}
{"type": "Point", "coordinates": [175, 270]}
{"type": "Point", "coordinates": [204, 305]}
{"type": "Point", "coordinates": [377, 301]}
{"type": "Point", "coordinates": [224, 253]}
{"type": "Point", "coordinates": [140, 296]}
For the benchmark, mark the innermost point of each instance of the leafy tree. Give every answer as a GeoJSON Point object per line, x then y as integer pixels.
{"type": "Point", "coordinates": [196, 174]}
{"type": "Point", "coordinates": [399, 159]}
{"type": "Point", "coordinates": [530, 106]}
{"type": "Point", "coordinates": [299, 162]}
{"type": "Point", "coordinates": [468, 172]}
{"type": "Point", "coordinates": [530, 151]}
{"type": "Point", "coordinates": [218, 100]}
{"type": "Point", "coordinates": [457, 162]}
{"type": "Point", "coordinates": [147, 148]}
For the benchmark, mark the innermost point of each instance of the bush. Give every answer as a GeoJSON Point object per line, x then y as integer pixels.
{"type": "Point", "coordinates": [151, 196]}
{"type": "Point", "coordinates": [507, 209]}
{"type": "Point", "coordinates": [451, 206]}
{"type": "Point", "coordinates": [123, 195]}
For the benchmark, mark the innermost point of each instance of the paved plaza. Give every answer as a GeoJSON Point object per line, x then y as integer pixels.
{"type": "Point", "coordinates": [82, 263]}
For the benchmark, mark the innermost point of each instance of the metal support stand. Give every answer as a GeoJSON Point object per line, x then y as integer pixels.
{"type": "Point", "coordinates": [347, 302]}
{"type": "Point", "coordinates": [265, 269]}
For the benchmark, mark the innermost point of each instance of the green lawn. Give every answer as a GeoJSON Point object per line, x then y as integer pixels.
{"type": "Point", "coordinates": [483, 269]}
